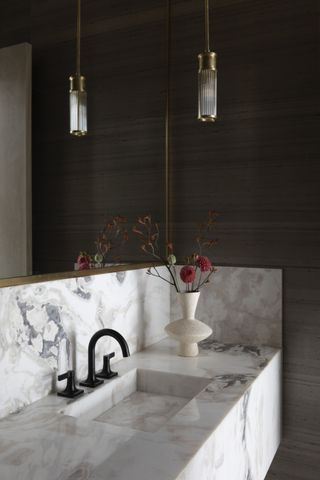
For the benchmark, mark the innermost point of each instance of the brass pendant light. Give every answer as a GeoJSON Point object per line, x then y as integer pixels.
{"type": "Point", "coordinates": [207, 77]}
{"type": "Point", "coordinates": [77, 93]}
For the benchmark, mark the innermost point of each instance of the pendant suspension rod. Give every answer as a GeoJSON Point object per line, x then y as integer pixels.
{"type": "Point", "coordinates": [206, 26]}
{"type": "Point", "coordinates": [78, 35]}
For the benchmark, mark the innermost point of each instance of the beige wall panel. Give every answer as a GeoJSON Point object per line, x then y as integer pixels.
{"type": "Point", "coordinates": [15, 160]}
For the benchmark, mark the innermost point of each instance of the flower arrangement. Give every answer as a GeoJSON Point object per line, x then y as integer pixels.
{"type": "Point", "coordinates": [113, 234]}
{"type": "Point", "coordinates": [84, 261]}
{"type": "Point", "coordinates": [198, 268]}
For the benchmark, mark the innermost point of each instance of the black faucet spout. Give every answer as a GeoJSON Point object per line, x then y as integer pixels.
{"type": "Point", "coordinates": [92, 380]}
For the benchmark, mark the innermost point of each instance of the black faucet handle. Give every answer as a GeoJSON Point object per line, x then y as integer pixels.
{"type": "Point", "coordinates": [71, 390]}
{"type": "Point", "coordinates": [106, 371]}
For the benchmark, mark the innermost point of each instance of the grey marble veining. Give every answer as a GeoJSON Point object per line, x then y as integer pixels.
{"type": "Point", "coordinates": [143, 411]}
{"type": "Point", "coordinates": [229, 430]}
{"type": "Point", "coordinates": [241, 305]}
{"type": "Point", "coordinates": [46, 327]}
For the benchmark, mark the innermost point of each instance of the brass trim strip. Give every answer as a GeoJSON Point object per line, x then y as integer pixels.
{"type": "Point", "coordinates": [51, 277]}
{"type": "Point", "coordinates": [168, 196]}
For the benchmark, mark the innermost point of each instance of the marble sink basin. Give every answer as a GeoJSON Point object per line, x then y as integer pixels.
{"type": "Point", "coordinates": [141, 399]}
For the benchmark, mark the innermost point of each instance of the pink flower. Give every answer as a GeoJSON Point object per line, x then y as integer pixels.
{"type": "Point", "coordinates": [83, 261]}
{"type": "Point", "coordinates": [187, 274]}
{"type": "Point", "coordinates": [203, 263]}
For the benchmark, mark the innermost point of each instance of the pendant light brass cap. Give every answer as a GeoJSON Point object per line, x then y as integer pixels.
{"type": "Point", "coordinates": [78, 133]}
{"type": "Point", "coordinates": [77, 83]}
{"type": "Point", "coordinates": [207, 61]}
{"type": "Point", "coordinates": [207, 118]}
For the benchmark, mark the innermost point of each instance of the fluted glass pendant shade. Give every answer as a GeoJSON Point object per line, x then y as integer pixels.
{"type": "Point", "coordinates": [77, 92]}
{"type": "Point", "coordinates": [207, 87]}
{"type": "Point", "coordinates": [207, 77]}
{"type": "Point", "coordinates": [78, 106]}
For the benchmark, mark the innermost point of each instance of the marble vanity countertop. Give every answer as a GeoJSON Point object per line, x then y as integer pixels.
{"type": "Point", "coordinates": [39, 443]}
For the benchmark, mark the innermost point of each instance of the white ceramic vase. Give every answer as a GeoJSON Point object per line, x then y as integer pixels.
{"type": "Point", "coordinates": [188, 331]}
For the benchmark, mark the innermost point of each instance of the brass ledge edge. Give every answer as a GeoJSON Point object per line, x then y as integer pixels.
{"type": "Point", "coordinates": [52, 277]}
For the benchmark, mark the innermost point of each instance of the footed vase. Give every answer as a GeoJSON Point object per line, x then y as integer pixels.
{"type": "Point", "coordinates": [188, 331]}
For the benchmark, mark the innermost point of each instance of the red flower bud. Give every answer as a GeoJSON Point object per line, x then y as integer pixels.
{"type": "Point", "coordinates": [187, 274]}
{"type": "Point", "coordinates": [203, 263]}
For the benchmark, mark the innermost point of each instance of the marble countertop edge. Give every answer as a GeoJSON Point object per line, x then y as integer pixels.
{"type": "Point", "coordinates": [231, 371]}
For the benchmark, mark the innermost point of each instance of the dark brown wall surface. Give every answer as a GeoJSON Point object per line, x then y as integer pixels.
{"type": "Point", "coordinates": [15, 22]}
{"type": "Point", "coordinates": [119, 167]}
{"type": "Point", "coordinates": [258, 165]}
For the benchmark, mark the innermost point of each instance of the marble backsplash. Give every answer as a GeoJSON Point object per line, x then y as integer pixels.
{"type": "Point", "coordinates": [241, 305]}
{"type": "Point", "coordinates": [46, 327]}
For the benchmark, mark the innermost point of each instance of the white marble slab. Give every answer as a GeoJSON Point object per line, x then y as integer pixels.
{"type": "Point", "coordinates": [230, 430]}
{"type": "Point", "coordinates": [47, 326]}
{"type": "Point", "coordinates": [241, 305]}
{"type": "Point", "coordinates": [244, 444]}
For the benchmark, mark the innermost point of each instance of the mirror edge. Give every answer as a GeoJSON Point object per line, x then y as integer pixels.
{"type": "Point", "coordinates": [51, 277]}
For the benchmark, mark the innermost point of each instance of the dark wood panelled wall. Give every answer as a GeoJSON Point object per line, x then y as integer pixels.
{"type": "Point", "coordinates": [258, 165]}
{"type": "Point", "coordinates": [118, 168]}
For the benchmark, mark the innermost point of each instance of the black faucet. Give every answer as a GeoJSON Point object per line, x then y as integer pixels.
{"type": "Point", "coordinates": [92, 380]}
{"type": "Point", "coordinates": [71, 390]}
